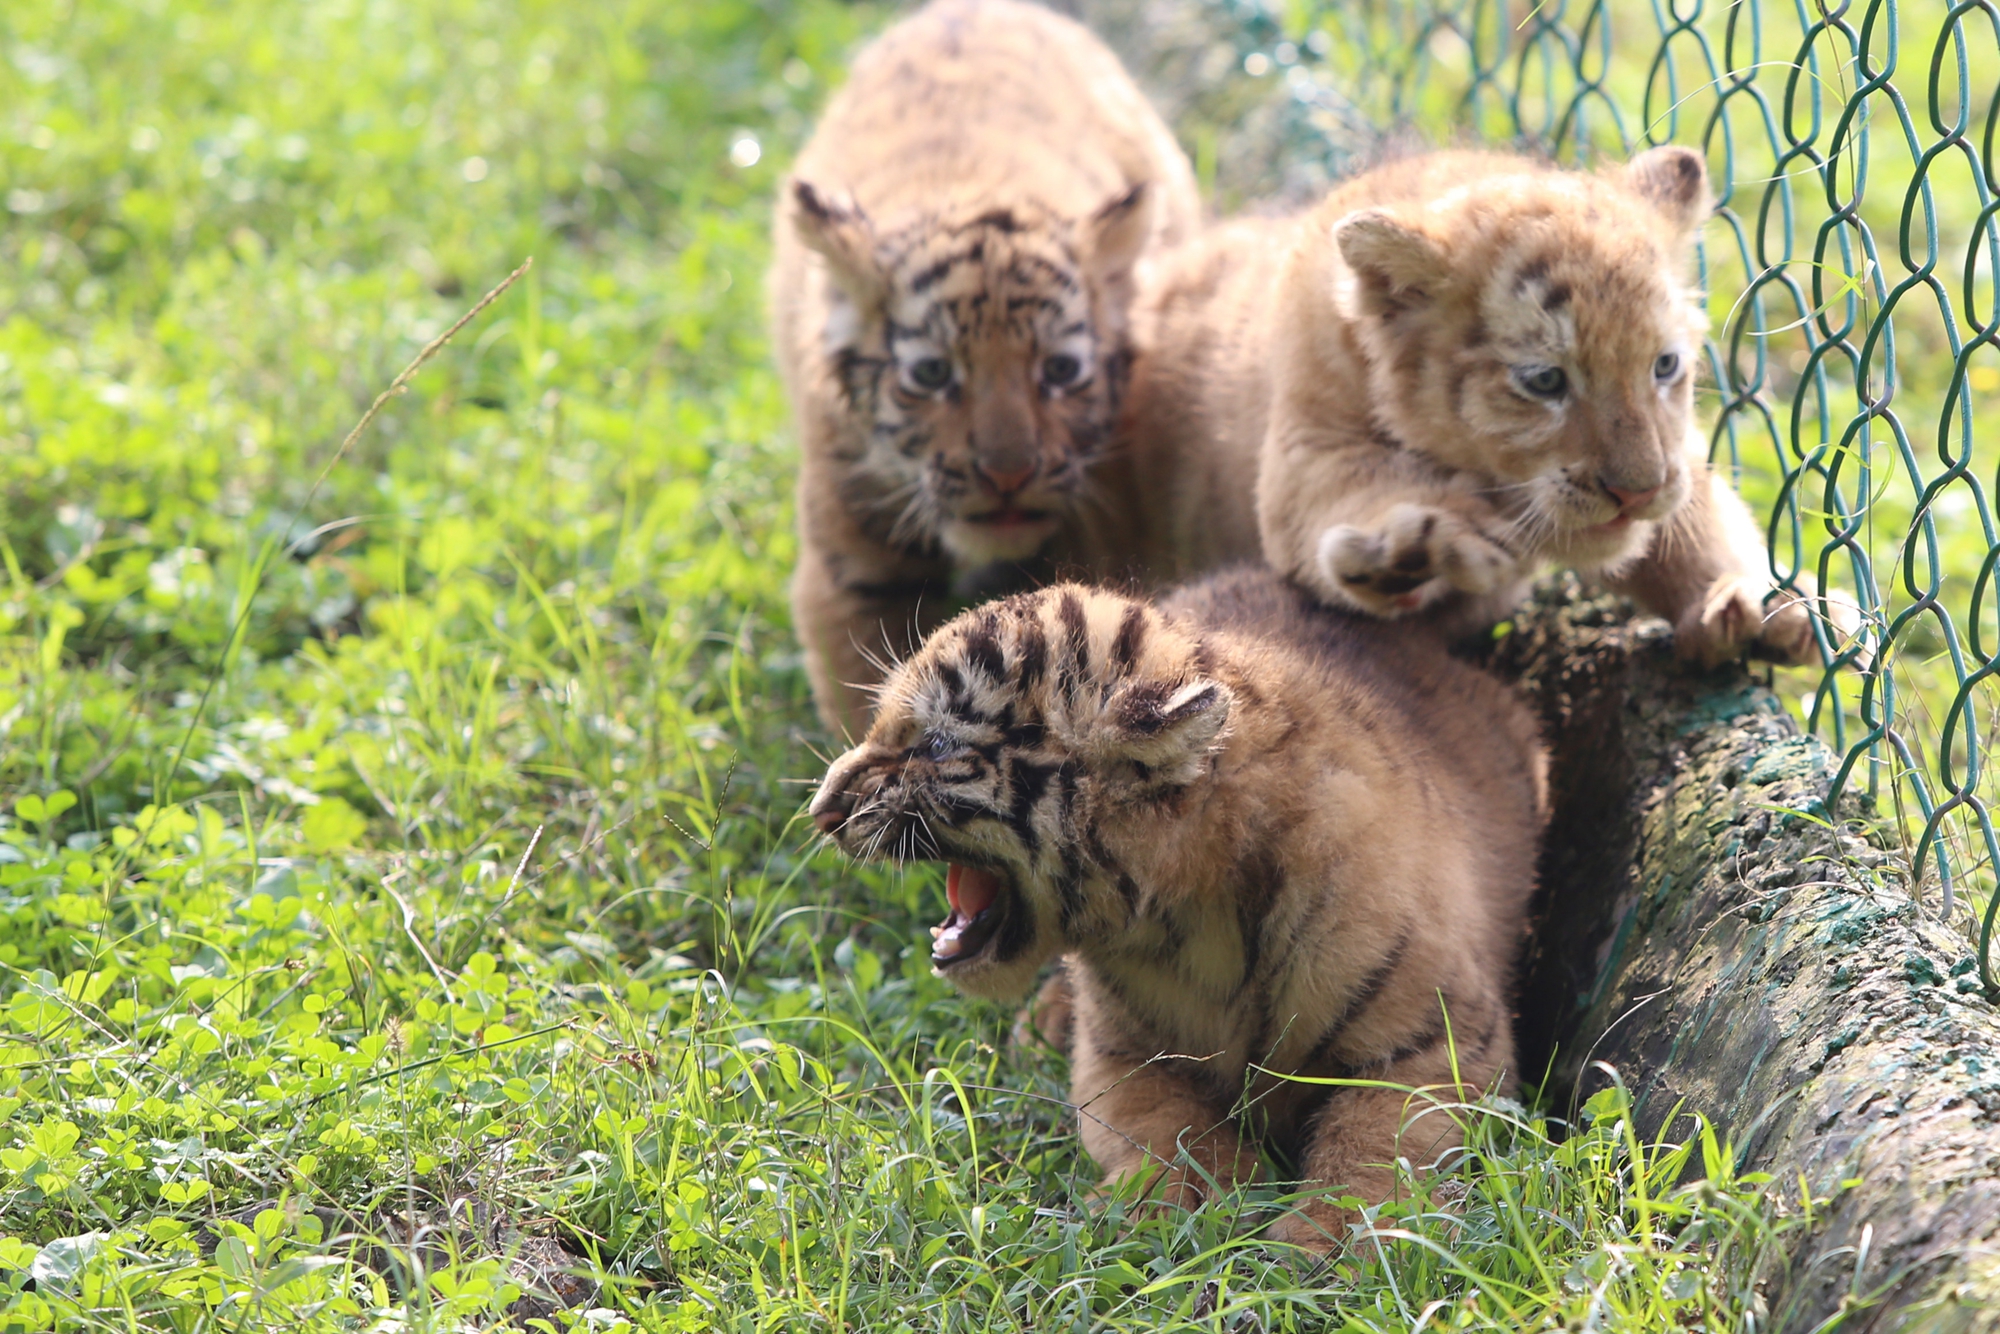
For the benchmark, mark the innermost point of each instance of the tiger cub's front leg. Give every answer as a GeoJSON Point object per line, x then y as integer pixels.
{"type": "Point", "coordinates": [1144, 1112]}
{"type": "Point", "coordinates": [1354, 1140]}
{"type": "Point", "coordinates": [853, 624]}
{"type": "Point", "coordinates": [1048, 1017]}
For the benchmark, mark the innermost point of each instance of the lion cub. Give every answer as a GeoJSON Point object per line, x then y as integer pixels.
{"type": "Point", "coordinates": [955, 257]}
{"type": "Point", "coordinates": [1463, 366]}
{"type": "Point", "coordinates": [1274, 839]}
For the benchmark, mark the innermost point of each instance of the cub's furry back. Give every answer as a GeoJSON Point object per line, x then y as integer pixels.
{"type": "Point", "coordinates": [1272, 840]}
{"type": "Point", "coordinates": [956, 252]}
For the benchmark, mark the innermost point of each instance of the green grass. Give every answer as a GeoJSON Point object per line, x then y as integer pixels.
{"type": "Point", "coordinates": [422, 846]}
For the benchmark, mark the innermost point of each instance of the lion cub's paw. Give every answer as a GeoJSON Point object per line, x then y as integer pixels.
{"type": "Point", "coordinates": [1742, 614]}
{"type": "Point", "coordinates": [1410, 558]}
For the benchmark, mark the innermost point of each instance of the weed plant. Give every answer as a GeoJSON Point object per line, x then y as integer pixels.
{"type": "Point", "coordinates": [405, 921]}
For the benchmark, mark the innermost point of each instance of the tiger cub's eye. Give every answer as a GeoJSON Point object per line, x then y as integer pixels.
{"type": "Point", "coordinates": [930, 373]}
{"type": "Point", "coordinates": [1061, 369]}
{"type": "Point", "coordinates": [941, 745]}
{"type": "Point", "coordinates": [1542, 381]}
{"type": "Point", "coordinates": [1666, 366]}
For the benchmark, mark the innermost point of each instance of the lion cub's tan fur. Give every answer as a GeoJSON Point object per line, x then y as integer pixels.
{"type": "Point", "coordinates": [1267, 834]}
{"type": "Point", "coordinates": [1459, 367]}
{"type": "Point", "coordinates": [955, 258]}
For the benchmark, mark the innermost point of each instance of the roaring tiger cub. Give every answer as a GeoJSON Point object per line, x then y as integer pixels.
{"type": "Point", "coordinates": [956, 251]}
{"type": "Point", "coordinates": [1274, 840]}
{"type": "Point", "coordinates": [1459, 367]}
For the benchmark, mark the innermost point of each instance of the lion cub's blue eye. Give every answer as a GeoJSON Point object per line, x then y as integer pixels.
{"type": "Point", "coordinates": [1666, 366]}
{"type": "Point", "coordinates": [1542, 381]}
{"type": "Point", "coordinates": [930, 373]}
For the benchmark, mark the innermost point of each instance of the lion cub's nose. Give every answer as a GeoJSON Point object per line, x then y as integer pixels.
{"type": "Point", "coordinates": [1629, 498]}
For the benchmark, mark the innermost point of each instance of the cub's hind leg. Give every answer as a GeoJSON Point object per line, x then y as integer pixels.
{"type": "Point", "coordinates": [1354, 1140]}
{"type": "Point", "coordinates": [1142, 1111]}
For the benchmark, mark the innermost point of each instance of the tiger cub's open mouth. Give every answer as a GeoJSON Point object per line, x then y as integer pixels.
{"type": "Point", "coordinates": [975, 914]}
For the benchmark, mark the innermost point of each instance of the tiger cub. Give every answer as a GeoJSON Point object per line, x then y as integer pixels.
{"type": "Point", "coordinates": [1463, 366]}
{"type": "Point", "coordinates": [1273, 839]}
{"type": "Point", "coordinates": [956, 250]}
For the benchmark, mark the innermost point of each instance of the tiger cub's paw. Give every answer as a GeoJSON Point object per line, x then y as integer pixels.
{"type": "Point", "coordinates": [1411, 558]}
{"type": "Point", "coordinates": [1317, 1227]}
{"type": "Point", "coordinates": [1744, 615]}
{"type": "Point", "coordinates": [1046, 1020]}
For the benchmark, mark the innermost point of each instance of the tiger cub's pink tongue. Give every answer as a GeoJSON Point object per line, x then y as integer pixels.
{"type": "Point", "coordinates": [971, 890]}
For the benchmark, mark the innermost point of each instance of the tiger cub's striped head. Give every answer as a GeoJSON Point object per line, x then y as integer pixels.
{"type": "Point", "coordinates": [1024, 745]}
{"type": "Point", "coordinates": [980, 355]}
{"type": "Point", "coordinates": [1541, 328]}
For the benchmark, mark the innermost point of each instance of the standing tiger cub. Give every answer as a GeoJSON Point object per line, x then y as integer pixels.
{"type": "Point", "coordinates": [1273, 839]}
{"type": "Point", "coordinates": [956, 252]}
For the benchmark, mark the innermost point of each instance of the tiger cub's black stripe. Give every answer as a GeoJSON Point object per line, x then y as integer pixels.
{"type": "Point", "coordinates": [1357, 1004]}
{"type": "Point", "coordinates": [1131, 637]}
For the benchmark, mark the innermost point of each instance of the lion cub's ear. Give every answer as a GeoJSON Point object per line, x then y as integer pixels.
{"type": "Point", "coordinates": [838, 230]}
{"type": "Point", "coordinates": [1675, 181]}
{"type": "Point", "coordinates": [1166, 726]}
{"type": "Point", "coordinates": [1116, 233]}
{"type": "Point", "coordinates": [1395, 265]}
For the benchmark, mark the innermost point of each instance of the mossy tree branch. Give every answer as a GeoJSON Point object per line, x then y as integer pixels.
{"type": "Point", "coordinates": [1707, 928]}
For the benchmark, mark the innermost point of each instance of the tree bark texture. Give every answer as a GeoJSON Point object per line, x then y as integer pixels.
{"type": "Point", "coordinates": [1708, 929]}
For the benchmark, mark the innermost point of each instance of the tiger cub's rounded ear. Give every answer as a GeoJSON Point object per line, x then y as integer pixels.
{"type": "Point", "coordinates": [1395, 264]}
{"type": "Point", "coordinates": [1116, 233]}
{"type": "Point", "coordinates": [839, 231]}
{"type": "Point", "coordinates": [1164, 725]}
{"type": "Point", "coordinates": [1673, 180]}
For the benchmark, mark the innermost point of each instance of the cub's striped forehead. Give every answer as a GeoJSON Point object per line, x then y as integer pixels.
{"type": "Point", "coordinates": [1032, 656]}
{"type": "Point", "coordinates": [997, 271]}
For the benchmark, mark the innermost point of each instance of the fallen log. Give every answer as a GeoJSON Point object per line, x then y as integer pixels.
{"type": "Point", "coordinates": [1709, 928]}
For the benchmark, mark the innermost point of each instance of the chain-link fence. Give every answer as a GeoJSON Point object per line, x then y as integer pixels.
{"type": "Point", "coordinates": [1854, 365]}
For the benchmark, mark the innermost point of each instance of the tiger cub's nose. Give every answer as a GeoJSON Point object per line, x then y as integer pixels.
{"type": "Point", "coordinates": [1006, 480]}
{"type": "Point", "coordinates": [831, 809]}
